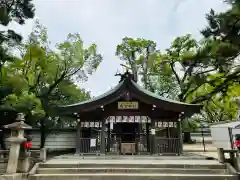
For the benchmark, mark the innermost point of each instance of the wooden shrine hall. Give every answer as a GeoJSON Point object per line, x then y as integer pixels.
{"type": "Point", "coordinates": [129, 120]}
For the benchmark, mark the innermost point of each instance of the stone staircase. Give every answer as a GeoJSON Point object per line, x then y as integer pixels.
{"type": "Point", "coordinates": [131, 171]}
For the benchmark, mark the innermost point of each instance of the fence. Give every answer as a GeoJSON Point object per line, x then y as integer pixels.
{"type": "Point", "coordinates": [140, 146]}
{"type": "Point", "coordinates": [3, 160]}
{"type": "Point", "coordinates": [89, 146]}
{"type": "Point", "coordinates": [35, 156]}
{"type": "Point", "coordinates": [168, 146]}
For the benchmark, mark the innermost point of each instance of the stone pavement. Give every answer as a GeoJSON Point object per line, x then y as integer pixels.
{"type": "Point", "coordinates": [198, 147]}
{"type": "Point", "coordinates": [207, 139]}
{"type": "Point", "coordinates": [210, 154]}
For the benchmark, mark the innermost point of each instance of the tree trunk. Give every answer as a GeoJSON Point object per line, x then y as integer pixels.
{"type": "Point", "coordinates": [187, 138]}
{"type": "Point", "coordinates": [2, 143]}
{"type": "Point", "coordinates": [43, 132]}
{"type": "Point", "coordinates": [186, 135]}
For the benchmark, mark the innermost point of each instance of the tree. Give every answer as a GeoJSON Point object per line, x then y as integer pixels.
{"type": "Point", "coordinates": [11, 10]}
{"type": "Point", "coordinates": [50, 75]}
{"type": "Point", "coordinates": [193, 64]}
{"type": "Point", "coordinates": [223, 29]}
{"type": "Point", "coordinates": [140, 56]}
{"type": "Point", "coordinates": [14, 10]}
{"type": "Point", "coordinates": [187, 64]}
{"type": "Point", "coordinates": [132, 49]}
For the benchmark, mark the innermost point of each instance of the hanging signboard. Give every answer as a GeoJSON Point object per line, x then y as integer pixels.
{"type": "Point", "coordinates": [128, 105]}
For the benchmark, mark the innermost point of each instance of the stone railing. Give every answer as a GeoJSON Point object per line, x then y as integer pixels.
{"type": "Point", "coordinates": [3, 160]}
{"type": "Point", "coordinates": [33, 156]}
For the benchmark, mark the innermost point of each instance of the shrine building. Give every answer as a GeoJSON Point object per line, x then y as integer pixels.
{"type": "Point", "coordinates": [129, 120]}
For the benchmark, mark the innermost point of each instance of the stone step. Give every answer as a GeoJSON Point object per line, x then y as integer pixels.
{"type": "Point", "coordinates": [128, 165]}
{"type": "Point", "coordinates": [129, 170]}
{"type": "Point", "coordinates": [126, 176]}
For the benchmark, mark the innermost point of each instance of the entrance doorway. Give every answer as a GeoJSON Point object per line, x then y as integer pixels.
{"type": "Point", "coordinates": [129, 132]}
{"type": "Point", "coordinates": [128, 138]}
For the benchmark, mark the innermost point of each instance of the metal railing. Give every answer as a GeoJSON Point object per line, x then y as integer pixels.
{"type": "Point", "coordinates": [113, 145]}
{"type": "Point", "coordinates": [89, 145]}
{"type": "Point", "coordinates": [141, 145]}
{"type": "Point", "coordinates": [138, 146]}
{"type": "Point", "coordinates": [167, 146]}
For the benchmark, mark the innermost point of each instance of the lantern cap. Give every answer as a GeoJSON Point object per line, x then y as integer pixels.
{"type": "Point", "coordinates": [20, 117]}
{"type": "Point", "coordinates": [19, 124]}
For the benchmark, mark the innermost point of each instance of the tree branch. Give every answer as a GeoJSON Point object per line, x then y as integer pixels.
{"type": "Point", "coordinates": [165, 92]}
{"type": "Point", "coordinates": [176, 75]}
{"type": "Point", "coordinates": [188, 72]}
{"type": "Point", "coordinates": [229, 32]}
{"type": "Point", "coordinates": [234, 77]}
{"type": "Point", "coordinates": [207, 71]}
{"type": "Point", "coordinates": [51, 88]}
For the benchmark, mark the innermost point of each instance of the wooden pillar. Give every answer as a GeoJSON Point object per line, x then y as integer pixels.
{"type": "Point", "coordinates": [102, 141]}
{"type": "Point", "coordinates": [153, 137]}
{"type": "Point", "coordinates": [109, 137]}
{"type": "Point", "coordinates": [137, 138]}
{"type": "Point", "coordinates": [147, 136]}
{"type": "Point", "coordinates": [179, 128]}
{"type": "Point", "coordinates": [78, 138]}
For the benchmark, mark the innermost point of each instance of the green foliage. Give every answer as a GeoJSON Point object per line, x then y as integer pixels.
{"type": "Point", "coordinates": [11, 10]}
{"type": "Point", "coordinates": [68, 93]}
{"type": "Point", "coordinates": [223, 30]}
{"type": "Point", "coordinates": [142, 58]}
{"type": "Point", "coordinates": [205, 72]}
{"type": "Point", "coordinates": [43, 78]}
{"type": "Point", "coordinates": [24, 103]}
{"type": "Point", "coordinates": [190, 125]}
{"type": "Point", "coordinates": [18, 11]}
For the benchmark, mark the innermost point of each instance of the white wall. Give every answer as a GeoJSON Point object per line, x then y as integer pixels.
{"type": "Point", "coordinates": [220, 137]}
{"type": "Point", "coordinates": [61, 140]}
{"type": "Point", "coordinates": [56, 140]}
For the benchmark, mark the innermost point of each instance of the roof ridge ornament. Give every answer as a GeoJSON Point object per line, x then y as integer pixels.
{"type": "Point", "coordinates": [125, 76]}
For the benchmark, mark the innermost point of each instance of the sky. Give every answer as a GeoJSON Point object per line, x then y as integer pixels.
{"type": "Point", "coordinates": [106, 22]}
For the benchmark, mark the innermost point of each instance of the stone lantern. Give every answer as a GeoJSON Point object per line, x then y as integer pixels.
{"type": "Point", "coordinates": [15, 140]}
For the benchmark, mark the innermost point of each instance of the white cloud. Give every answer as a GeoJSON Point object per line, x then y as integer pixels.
{"type": "Point", "coordinates": [106, 22]}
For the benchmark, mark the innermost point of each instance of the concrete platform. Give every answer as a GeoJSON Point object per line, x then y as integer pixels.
{"type": "Point", "coordinates": [120, 170]}
{"type": "Point", "coordinates": [131, 161]}
{"type": "Point", "coordinates": [107, 176]}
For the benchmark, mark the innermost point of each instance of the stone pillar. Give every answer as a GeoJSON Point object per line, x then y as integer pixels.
{"type": "Point", "coordinates": [43, 154]}
{"type": "Point", "coordinates": [102, 138]}
{"type": "Point", "coordinates": [220, 153]}
{"type": "Point", "coordinates": [15, 140]}
{"type": "Point", "coordinates": [24, 162]}
{"type": "Point", "coordinates": [78, 136]}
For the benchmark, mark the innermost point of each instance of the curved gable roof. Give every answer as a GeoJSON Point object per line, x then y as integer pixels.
{"type": "Point", "coordinates": [141, 93]}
